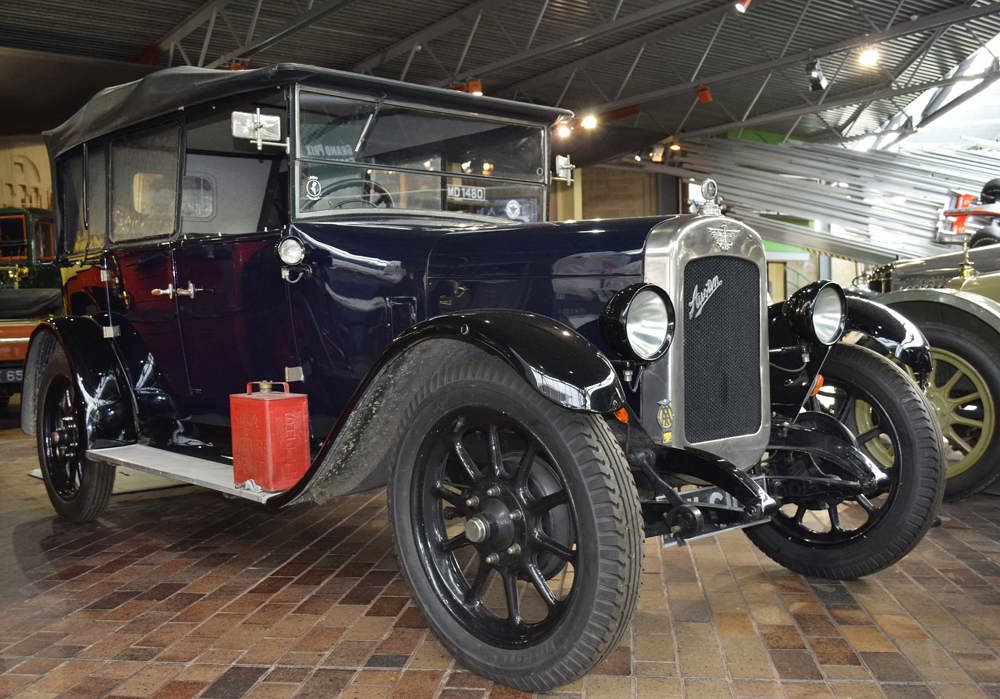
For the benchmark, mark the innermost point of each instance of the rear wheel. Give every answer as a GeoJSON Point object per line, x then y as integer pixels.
{"type": "Point", "coordinates": [891, 421]}
{"type": "Point", "coordinates": [79, 489]}
{"type": "Point", "coordinates": [517, 525]}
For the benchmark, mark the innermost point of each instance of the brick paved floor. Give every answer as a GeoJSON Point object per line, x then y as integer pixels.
{"type": "Point", "coordinates": [183, 593]}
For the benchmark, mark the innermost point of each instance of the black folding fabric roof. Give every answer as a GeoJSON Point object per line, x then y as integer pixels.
{"type": "Point", "coordinates": [175, 88]}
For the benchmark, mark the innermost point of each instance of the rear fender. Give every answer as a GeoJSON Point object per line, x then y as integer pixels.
{"type": "Point", "coordinates": [108, 411]}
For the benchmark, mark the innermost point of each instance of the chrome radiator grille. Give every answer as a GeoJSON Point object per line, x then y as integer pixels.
{"type": "Point", "coordinates": [721, 317]}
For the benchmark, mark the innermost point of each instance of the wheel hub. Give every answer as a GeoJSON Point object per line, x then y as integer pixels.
{"type": "Point", "coordinates": [495, 527]}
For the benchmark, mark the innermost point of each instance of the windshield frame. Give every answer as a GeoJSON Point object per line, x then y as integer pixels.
{"type": "Point", "coordinates": [383, 100]}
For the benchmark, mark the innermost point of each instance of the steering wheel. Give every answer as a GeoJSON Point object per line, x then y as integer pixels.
{"type": "Point", "coordinates": [373, 196]}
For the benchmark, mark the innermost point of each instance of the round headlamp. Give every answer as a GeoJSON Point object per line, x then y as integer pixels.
{"type": "Point", "coordinates": [639, 322]}
{"type": "Point", "coordinates": [818, 311]}
{"type": "Point", "coordinates": [291, 251]}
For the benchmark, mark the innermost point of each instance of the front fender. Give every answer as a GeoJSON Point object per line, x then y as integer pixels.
{"type": "Point", "coordinates": [108, 413]}
{"type": "Point", "coordinates": [553, 358]}
{"type": "Point", "coordinates": [891, 334]}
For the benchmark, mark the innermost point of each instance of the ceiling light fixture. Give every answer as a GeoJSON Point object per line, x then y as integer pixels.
{"type": "Point", "coordinates": [474, 86]}
{"type": "Point", "coordinates": [563, 129]}
{"type": "Point", "coordinates": [589, 121]}
{"type": "Point", "coordinates": [704, 94]}
{"type": "Point", "coordinates": [742, 6]}
{"type": "Point", "coordinates": [817, 81]}
{"type": "Point", "coordinates": [657, 153]}
{"type": "Point", "coordinates": [638, 157]}
{"type": "Point", "coordinates": [869, 57]}
{"type": "Point", "coordinates": [675, 147]}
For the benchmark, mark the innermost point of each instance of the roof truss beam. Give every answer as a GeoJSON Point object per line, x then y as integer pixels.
{"type": "Point", "coordinates": [925, 23]}
{"type": "Point", "coordinates": [844, 100]}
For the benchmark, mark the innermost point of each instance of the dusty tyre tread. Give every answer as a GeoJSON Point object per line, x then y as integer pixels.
{"type": "Point", "coordinates": [617, 514]}
{"type": "Point", "coordinates": [912, 520]}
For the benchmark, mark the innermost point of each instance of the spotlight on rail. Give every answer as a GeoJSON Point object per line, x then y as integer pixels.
{"type": "Point", "coordinates": [742, 6]}
{"type": "Point", "coordinates": [589, 121]}
{"type": "Point", "coordinates": [817, 81]}
{"type": "Point", "coordinates": [869, 57]}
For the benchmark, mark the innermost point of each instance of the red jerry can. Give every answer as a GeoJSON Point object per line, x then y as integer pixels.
{"type": "Point", "coordinates": [270, 436]}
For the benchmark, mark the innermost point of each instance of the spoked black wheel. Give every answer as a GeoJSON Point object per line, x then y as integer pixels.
{"type": "Point", "coordinates": [78, 489]}
{"type": "Point", "coordinates": [517, 525]}
{"type": "Point", "coordinates": [496, 526]}
{"type": "Point", "coordinates": [839, 537]}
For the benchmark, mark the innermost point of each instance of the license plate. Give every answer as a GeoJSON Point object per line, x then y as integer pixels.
{"type": "Point", "coordinates": [11, 375]}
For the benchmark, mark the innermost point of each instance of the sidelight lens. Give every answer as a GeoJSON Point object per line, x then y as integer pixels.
{"type": "Point", "coordinates": [647, 324]}
{"type": "Point", "coordinates": [291, 251]}
{"type": "Point", "coordinates": [828, 315]}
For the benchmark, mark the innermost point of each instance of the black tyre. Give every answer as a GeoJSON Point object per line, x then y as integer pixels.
{"type": "Point", "coordinates": [78, 489]}
{"type": "Point", "coordinates": [517, 525]}
{"type": "Point", "coordinates": [981, 239]}
{"type": "Point", "coordinates": [848, 539]}
{"type": "Point", "coordinates": [964, 388]}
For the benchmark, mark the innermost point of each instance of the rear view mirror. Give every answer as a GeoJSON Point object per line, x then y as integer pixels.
{"type": "Point", "coordinates": [262, 129]}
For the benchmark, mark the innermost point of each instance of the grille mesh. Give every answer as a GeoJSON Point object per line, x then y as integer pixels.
{"type": "Point", "coordinates": [721, 348]}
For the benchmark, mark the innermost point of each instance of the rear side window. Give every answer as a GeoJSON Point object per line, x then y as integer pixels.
{"type": "Point", "coordinates": [97, 195]}
{"type": "Point", "coordinates": [144, 171]}
{"type": "Point", "coordinates": [71, 202]}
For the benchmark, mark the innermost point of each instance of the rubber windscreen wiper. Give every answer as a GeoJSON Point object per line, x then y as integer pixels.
{"type": "Point", "coordinates": [372, 116]}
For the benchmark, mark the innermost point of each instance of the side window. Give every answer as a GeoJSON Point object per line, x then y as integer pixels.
{"type": "Point", "coordinates": [13, 243]}
{"type": "Point", "coordinates": [144, 187]}
{"type": "Point", "coordinates": [70, 170]}
{"type": "Point", "coordinates": [97, 195]}
{"type": "Point", "coordinates": [231, 188]}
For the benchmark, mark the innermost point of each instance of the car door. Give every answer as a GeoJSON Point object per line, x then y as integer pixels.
{"type": "Point", "coordinates": [233, 304]}
{"type": "Point", "coordinates": [143, 168]}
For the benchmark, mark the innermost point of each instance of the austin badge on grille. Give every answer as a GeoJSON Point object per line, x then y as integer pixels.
{"type": "Point", "coordinates": [723, 235]}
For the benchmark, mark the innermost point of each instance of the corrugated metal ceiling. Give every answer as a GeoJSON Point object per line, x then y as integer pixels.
{"type": "Point", "coordinates": [122, 29]}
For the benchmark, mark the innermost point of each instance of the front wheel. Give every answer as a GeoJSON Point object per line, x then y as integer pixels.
{"type": "Point", "coordinates": [517, 525]}
{"type": "Point", "coordinates": [892, 423]}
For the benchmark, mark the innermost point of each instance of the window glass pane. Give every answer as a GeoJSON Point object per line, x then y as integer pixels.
{"type": "Point", "coordinates": [336, 187]}
{"type": "Point", "coordinates": [357, 131]}
{"type": "Point", "coordinates": [144, 173]}
{"type": "Point", "coordinates": [12, 237]}
{"type": "Point", "coordinates": [71, 198]}
{"type": "Point", "coordinates": [43, 240]}
{"type": "Point", "coordinates": [230, 187]}
{"type": "Point", "coordinates": [97, 196]}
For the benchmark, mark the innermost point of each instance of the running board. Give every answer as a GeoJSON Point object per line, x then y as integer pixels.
{"type": "Point", "coordinates": [160, 462]}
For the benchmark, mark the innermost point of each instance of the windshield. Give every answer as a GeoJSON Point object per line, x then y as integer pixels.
{"type": "Point", "coordinates": [359, 153]}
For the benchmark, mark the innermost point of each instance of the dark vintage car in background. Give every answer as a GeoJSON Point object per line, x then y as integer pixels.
{"type": "Point", "coordinates": [955, 300]}
{"type": "Point", "coordinates": [537, 396]}
{"type": "Point", "coordinates": [29, 287]}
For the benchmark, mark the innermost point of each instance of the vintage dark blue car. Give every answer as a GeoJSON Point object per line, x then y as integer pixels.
{"type": "Point", "coordinates": [539, 397]}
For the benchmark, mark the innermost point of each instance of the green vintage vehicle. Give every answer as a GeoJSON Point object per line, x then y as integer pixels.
{"type": "Point", "coordinates": [29, 287]}
{"type": "Point", "coordinates": [27, 249]}
{"type": "Point", "coordinates": [955, 300]}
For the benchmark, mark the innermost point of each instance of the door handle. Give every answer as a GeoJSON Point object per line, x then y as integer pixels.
{"type": "Point", "coordinates": [170, 291]}
{"type": "Point", "coordinates": [189, 291]}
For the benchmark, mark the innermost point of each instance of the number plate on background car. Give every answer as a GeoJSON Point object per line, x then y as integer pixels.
{"type": "Point", "coordinates": [11, 375]}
